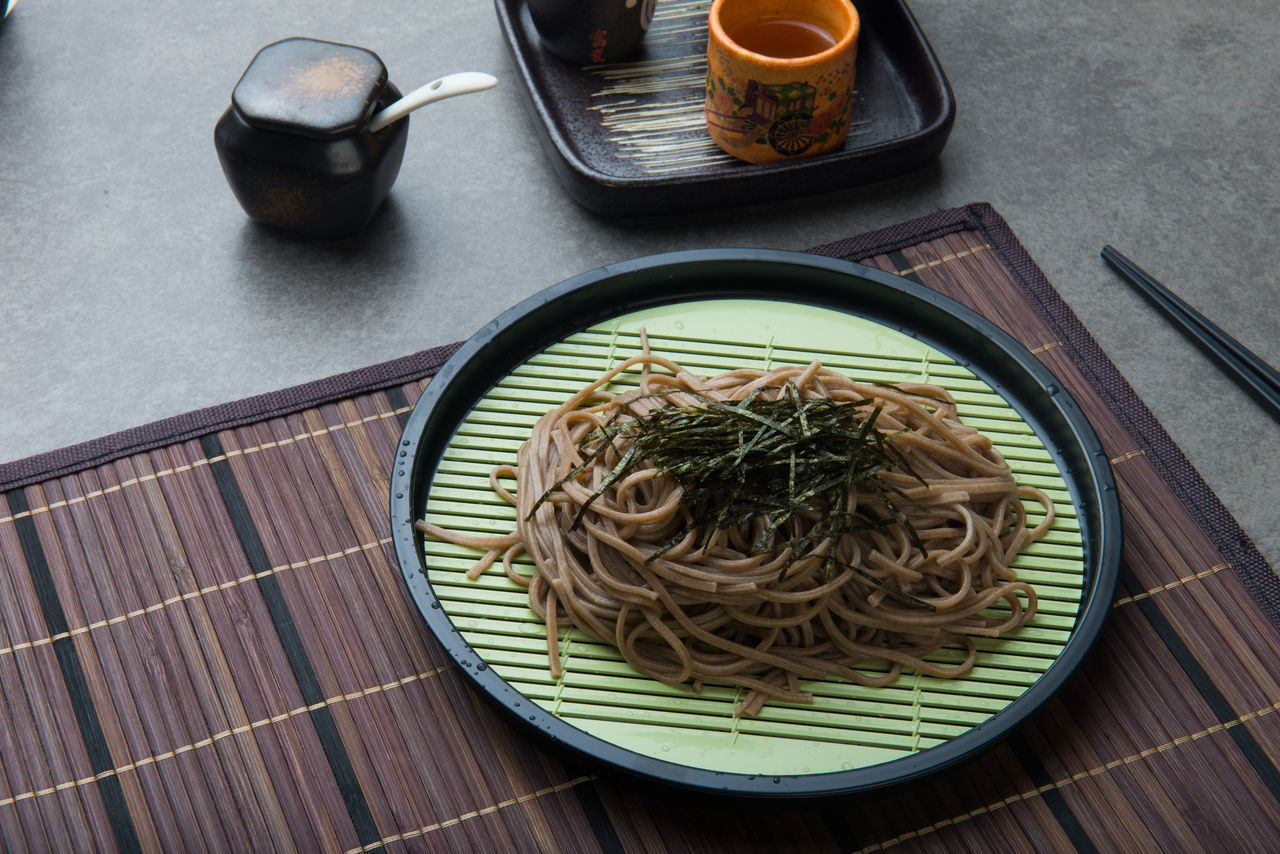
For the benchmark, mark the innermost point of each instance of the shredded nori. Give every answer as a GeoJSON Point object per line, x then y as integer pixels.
{"type": "Point", "coordinates": [768, 459]}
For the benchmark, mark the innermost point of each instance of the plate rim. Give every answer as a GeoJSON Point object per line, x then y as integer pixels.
{"type": "Point", "coordinates": [1099, 484]}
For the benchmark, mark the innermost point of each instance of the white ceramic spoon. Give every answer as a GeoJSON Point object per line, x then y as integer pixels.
{"type": "Point", "coordinates": [462, 83]}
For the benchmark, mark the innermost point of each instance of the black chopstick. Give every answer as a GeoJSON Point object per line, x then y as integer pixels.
{"type": "Point", "coordinates": [1254, 375]}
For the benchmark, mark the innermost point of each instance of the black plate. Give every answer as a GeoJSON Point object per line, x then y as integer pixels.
{"type": "Point", "coordinates": [991, 354]}
{"type": "Point", "coordinates": [903, 112]}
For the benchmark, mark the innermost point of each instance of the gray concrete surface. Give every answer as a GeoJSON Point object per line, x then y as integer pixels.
{"type": "Point", "coordinates": [132, 287]}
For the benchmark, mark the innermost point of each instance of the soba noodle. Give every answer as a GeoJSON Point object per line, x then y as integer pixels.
{"type": "Point", "coordinates": [708, 609]}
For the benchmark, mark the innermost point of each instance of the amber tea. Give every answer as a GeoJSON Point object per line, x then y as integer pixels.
{"type": "Point", "coordinates": [783, 38]}
{"type": "Point", "coordinates": [780, 77]}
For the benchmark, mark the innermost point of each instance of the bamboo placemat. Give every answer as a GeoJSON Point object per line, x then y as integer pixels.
{"type": "Point", "coordinates": [205, 644]}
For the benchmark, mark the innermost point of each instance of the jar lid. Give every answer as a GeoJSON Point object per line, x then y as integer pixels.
{"type": "Point", "coordinates": [309, 87]}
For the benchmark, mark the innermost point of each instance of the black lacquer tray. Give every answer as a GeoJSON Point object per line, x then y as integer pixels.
{"type": "Point", "coordinates": [628, 138]}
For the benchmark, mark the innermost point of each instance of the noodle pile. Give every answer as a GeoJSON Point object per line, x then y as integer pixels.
{"type": "Point", "coordinates": [709, 610]}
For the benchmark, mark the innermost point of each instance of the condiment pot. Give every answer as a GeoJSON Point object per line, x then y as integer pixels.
{"type": "Point", "coordinates": [315, 134]}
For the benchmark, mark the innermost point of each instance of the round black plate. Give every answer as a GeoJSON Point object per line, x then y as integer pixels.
{"type": "Point", "coordinates": [595, 296]}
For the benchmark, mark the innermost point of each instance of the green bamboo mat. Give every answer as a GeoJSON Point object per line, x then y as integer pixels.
{"type": "Point", "coordinates": [848, 726]}
{"type": "Point", "coordinates": [205, 644]}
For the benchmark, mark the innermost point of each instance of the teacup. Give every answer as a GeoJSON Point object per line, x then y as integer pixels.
{"type": "Point", "coordinates": [780, 76]}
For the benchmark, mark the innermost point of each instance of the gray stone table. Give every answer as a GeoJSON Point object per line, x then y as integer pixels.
{"type": "Point", "coordinates": [132, 287]}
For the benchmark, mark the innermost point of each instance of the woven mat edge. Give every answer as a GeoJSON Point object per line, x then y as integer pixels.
{"type": "Point", "coordinates": [1125, 404]}
{"type": "Point", "coordinates": [201, 422]}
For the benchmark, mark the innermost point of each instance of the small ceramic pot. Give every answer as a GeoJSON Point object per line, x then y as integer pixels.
{"type": "Point", "coordinates": [294, 145]}
{"type": "Point", "coordinates": [766, 103]}
{"type": "Point", "coordinates": [591, 31]}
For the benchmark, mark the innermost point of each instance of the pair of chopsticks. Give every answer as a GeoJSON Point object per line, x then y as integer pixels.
{"type": "Point", "coordinates": [1250, 372]}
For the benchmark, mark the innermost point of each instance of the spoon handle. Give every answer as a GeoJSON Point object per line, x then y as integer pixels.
{"type": "Point", "coordinates": [448, 86]}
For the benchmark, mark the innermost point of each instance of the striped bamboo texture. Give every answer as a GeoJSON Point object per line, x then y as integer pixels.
{"type": "Point", "coordinates": [846, 726]}
{"type": "Point", "coordinates": [206, 645]}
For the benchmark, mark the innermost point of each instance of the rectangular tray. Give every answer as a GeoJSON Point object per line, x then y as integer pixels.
{"type": "Point", "coordinates": [629, 137]}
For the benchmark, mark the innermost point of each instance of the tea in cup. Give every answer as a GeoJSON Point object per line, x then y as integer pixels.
{"type": "Point", "coordinates": [780, 76]}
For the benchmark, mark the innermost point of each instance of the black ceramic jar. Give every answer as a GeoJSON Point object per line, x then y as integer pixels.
{"type": "Point", "coordinates": [294, 144]}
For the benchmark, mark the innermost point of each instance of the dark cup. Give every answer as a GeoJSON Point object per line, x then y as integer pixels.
{"type": "Point", "coordinates": [294, 144]}
{"type": "Point", "coordinates": [591, 31]}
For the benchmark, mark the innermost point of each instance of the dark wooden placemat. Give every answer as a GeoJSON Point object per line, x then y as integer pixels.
{"type": "Point", "coordinates": [205, 644]}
